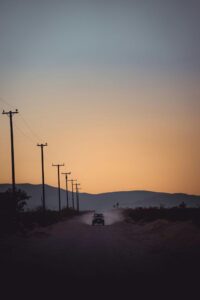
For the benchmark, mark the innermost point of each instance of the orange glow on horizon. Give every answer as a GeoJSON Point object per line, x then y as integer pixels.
{"type": "Point", "coordinates": [111, 135]}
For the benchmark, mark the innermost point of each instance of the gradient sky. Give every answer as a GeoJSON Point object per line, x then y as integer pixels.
{"type": "Point", "coordinates": [112, 86]}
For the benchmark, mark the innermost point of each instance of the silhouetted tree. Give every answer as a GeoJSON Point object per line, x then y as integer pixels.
{"type": "Point", "coordinates": [13, 202]}
{"type": "Point", "coordinates": [11, 206]}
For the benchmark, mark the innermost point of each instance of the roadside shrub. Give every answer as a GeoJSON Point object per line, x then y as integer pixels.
{"type": "Point", "coordinates": [181, 213]}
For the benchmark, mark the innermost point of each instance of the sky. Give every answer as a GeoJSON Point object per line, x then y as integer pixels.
{"type": "Point", "coordinates": [113, 87]}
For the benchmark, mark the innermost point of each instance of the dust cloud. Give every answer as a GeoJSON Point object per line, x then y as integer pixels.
{"type": "Point", "coordinates": [110, 217]}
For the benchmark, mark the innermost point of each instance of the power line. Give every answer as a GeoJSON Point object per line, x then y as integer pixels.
{"type": "Point", "coordinates": [43, 185]}
{"type": "Point", "coordinates": [10, 114]}
{"type": "Point", "coordinates": [58, 169]}
{"type": "Point", "coordinates": [29, 128]}
{"type": "Point", "coordinates": [72, 181]}
{"type": "Point", "coordinates": [6, 103]}
{"type": "Point", "coordinates": [29, 138]}
{"type": "Point", "coordinates": [34, 134]}
{"type": "Point", "coordinates": [67, 193]}
{"type": "Point", "coordinates": [77, 195]}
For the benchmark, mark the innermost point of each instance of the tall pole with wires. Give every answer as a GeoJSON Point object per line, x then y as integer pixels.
{"type": "Point", "coordinates": [67, 192]}
{"type": "Point", "coordinates": [77, 196]}
{"type": "Point", "coordinates": [58, 169]}
{"type": "Point", "coordinates": [43, 184]}
{"type": "Point", "coordinates": [72, 181]}
{"type": "Point", "coordinates": [10, 114]}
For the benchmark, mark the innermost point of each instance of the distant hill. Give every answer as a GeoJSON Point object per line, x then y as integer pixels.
{"type": "Point", "coordinates": [105, 201]}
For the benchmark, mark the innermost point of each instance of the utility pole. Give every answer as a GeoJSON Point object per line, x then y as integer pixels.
{"type": "Point", "coordinates": [58, 168]}
{"type": "Point", "coordinates": [10, 114]}
{"type": "Point", "coordinates": [67, 193]}
{"type": "Point", "coordinates": [72, 181]}
{"type": "Point", "coordinates": [77, 195]}
{"type": "Point", "coordinates": [43, 185]}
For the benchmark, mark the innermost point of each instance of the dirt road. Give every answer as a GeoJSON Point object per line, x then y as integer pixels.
{"type": "Point", "coordinates": [73, 251]}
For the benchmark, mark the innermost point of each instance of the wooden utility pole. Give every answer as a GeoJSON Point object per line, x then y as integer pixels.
{"type": "Point", "coordinates": [67, 193]}
{"type": "Point", "coordinates": [58, 168]}
{"type": "Point", "coordinates": [72, 181]}
{"type": "Point", "coordinates": [43, 184]}
{"type": "Point", "coordinates": [77, 196]}
{"type": "Point", "coordinates": [10, 114]}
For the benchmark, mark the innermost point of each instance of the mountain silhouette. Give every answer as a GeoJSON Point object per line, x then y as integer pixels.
{"type": "Point", "coordinates": [104, 201]}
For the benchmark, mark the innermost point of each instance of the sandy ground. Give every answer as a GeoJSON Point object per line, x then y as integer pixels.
{"type": "Point", "coordinates": [75, 252]}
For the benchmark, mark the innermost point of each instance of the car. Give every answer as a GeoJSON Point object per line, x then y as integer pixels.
{"type": "Point", "coordinates": [98, 219]}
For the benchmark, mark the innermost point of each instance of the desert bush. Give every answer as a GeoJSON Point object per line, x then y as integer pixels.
{"type": "Point", "coordinates": [150, 214]}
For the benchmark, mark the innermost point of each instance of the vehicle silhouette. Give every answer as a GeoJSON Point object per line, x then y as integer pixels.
{"type": "Point", "coordinates": [98, 219]}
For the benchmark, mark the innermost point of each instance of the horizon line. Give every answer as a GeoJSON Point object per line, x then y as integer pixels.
{"type": "Point", "coordinates": [101, 193]}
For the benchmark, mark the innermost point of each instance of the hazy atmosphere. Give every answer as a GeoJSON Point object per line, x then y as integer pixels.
{"type": "Point", "coordinates": [100, 149]}
{"type": "Point", "coordinates": [112, 86]}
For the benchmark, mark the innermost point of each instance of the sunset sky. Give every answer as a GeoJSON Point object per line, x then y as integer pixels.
{"type": "Point", "coordinates": [112, 86]}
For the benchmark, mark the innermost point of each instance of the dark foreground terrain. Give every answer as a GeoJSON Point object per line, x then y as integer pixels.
{"type": "Point", "coordinates": [73, 257]}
